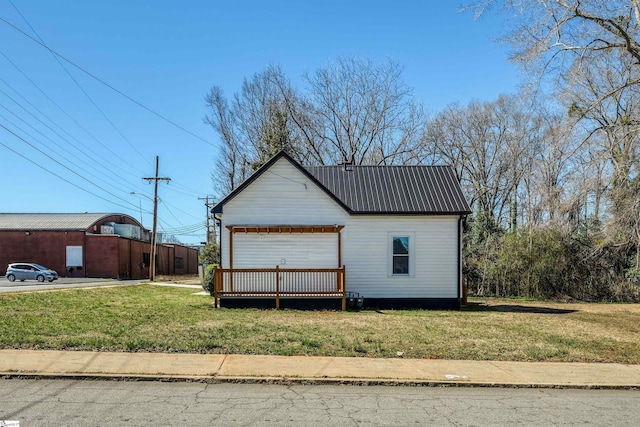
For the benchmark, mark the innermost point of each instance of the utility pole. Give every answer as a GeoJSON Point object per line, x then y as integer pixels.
{"type": "Point", "coordinates": [211, 228]}
{"type": "Point", "coordinates": [152, 270]}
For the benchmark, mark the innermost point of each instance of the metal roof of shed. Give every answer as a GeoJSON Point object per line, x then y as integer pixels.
{"type": "Point", "coordinates": [51, 221]}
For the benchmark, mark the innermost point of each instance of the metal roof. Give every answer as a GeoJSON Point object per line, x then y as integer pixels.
{"type": "Point", "coordinates": [394, 189]}
{"type": "Point", "coordinates": [51, 221]}
{"type": "Point", "coordinates": [406, 190]}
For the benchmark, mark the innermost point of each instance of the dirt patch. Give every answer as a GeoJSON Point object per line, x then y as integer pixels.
{"type": "Point", "coordinates": [584, 307]}
{"type": "Point", "coordinates": [191, 279]}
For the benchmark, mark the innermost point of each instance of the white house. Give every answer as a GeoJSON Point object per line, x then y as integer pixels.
{"type": "Point", "coordinates": [295, 235]}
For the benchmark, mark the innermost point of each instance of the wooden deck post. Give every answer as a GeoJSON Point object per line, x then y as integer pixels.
{"type": "Point", "coordinates": [277, 287]}
{"type": "Point", "coordinates": [216, 280]}
{"type": "Point", "coordinates": [339, 248]}
{"type": "Point", "coordinates": [230, 228]}
{"type": "Point", "coordinates": [342, 287]}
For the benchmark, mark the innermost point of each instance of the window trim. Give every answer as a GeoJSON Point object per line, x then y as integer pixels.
{"type": "Point", "coordinates": [411, 255]}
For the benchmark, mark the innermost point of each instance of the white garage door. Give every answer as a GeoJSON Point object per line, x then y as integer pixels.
{"type": "Point", "coordinates": [285, 250]}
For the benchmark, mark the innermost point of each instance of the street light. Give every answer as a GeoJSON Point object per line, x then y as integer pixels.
{"type": "Point", "coordinates": [153, 234]}
{"type": "Point", "coordinates": [143, 195]}
{"type": "Point", "coordinates": [140, 201]}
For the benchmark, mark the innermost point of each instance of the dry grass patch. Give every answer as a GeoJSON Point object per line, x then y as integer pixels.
{"type": "Point", "coordinates": [184, 279]}
{"type": "Point", "coordinates": [151, 318]}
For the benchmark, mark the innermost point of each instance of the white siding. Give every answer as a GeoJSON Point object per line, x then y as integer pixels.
{"type": "Point", "coordinates": [286, 250]}
{"type": "Point", "coordinates": [366, 255]}
{"type": "Point", "coordinates": [283, 195]}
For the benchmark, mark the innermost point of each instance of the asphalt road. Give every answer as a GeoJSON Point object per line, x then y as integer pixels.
{"type": "Point", "coordinates": [122, 403]}
{"type": "Point", "coordinates": [61, 283]}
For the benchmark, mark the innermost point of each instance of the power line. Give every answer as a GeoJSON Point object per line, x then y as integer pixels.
{"type": "Point", "coordinates": [178, 209]}
{"type": "Point", "coordinates": [106, 84]}
{"type": "Point", "coordinates": [189, 193]}
{"type": "Point", "coordinates": [60, 108]}
{"type": "Point", "coordinates": [79, 86]}
{"type": "Point", "coordinates": [61, 178]}
{"type": "Point", "coordinates": [64, 160]}
{"type": "Point", "coordinates": [186, 229]}
{"type": "Point", "coordinates": [171, 213]}
{"type": "Point", "coordinates": [64, 166]}
{"type": "Point", "coordinates": [183, 230]}
{"type": "Point", "coordinates": [76, 147]}
{"type": "Point", "coordinates": [188, 189]}
{"type": "Point", "coordinates": [78, 164]}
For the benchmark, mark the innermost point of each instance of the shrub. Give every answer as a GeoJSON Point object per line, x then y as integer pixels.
{"type": "Point", "coordinates": [209, 278]}
{"type": "Point", "coordinates": [210, 254]}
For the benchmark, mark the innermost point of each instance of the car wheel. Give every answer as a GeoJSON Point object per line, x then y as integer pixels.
{"type": "Point", "coordinates": [50, 280]}
{"type": "Point", "coordinates": [40, 278]}
{"type": "Point", "coordinates": [11, 278]}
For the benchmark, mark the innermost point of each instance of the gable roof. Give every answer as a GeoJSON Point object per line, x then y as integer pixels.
{"type": "Point", "coordinates": [51, 221]}
{"type": "Point", "coordinates": [372, 190]}
{"type": "Point", "coordinates": [218, 207]}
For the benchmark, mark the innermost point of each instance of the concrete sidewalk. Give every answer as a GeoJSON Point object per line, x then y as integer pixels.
{"type": "Point", "coordinates": [212, 367]}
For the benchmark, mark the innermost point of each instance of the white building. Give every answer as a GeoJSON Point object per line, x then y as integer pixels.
{"type": "Point", "coordinates": [395, 229]}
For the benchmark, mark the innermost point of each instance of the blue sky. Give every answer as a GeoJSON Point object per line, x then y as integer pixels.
{"type": "Point", "coordinates": [167, 55]}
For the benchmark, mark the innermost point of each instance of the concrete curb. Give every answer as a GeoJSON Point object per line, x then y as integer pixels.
{"type": "Point", "coordinates": [310, 381]}
{"type": "Point", "coordinates": [216, 368]}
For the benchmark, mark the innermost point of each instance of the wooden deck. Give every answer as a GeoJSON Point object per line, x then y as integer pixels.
{"type": "Point", "coordinates": [279, 283]}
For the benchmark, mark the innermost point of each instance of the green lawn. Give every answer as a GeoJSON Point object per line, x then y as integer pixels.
{"type": "Point", "coordinates": [162, 319]}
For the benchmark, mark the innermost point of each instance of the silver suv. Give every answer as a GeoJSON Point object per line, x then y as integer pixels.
{"type": "Point", "coordinates": [23, 271]}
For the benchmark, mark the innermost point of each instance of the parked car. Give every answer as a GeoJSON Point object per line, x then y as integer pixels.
{"type": "Point", "coordinates": [23, 271]}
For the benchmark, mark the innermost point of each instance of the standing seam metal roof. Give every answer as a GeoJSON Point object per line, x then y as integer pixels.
{"type": "Point", "coordinates": [393, 189]}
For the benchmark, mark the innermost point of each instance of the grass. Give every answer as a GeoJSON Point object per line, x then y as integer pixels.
{"type": "Point", "coordinates": [164, 319]}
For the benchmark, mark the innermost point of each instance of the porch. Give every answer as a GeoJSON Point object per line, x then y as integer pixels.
{"type": "Point", "coordinates": [278, 284]}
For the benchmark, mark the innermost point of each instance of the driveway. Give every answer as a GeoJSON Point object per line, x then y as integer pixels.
{"type": "Point", "coordinates": [62, 283]}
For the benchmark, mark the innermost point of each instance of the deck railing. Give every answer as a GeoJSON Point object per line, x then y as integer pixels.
{"type": "Point", "coordinates": [280, 282]}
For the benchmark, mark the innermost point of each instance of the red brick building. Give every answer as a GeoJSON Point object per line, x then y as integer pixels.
{"type": "Point", "coordinates": [89, 245]}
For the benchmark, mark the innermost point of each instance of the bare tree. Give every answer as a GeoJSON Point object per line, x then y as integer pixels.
{"type": "Point", "coordinates": [262, 116]}
{"type": "Point", "coordinates": [608, 107]}
{"type": "Point", "coordinates": [492, 145]}
{"type": "Point", "coordinates": [231, 161]}
{"type": "Point", "coordinates": [551, 37]}
{"type": "Point", "coordinates": [590, 50]}
{"type": "Point", "coordinates": [362, 112]}
{"type": "Point", "coordinates": [351, 111]}
{"type": "Point", "coordinates": [253, 128]}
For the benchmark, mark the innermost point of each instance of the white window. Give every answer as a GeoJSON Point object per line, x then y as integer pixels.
{"type": "Point", "coordinates": [401, 254]}
{"type": "Point", "coordinates": [74, 256]}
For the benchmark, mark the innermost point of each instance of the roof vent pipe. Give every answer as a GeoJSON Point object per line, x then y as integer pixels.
{"type": "Point", "coordinates": [348, 165]}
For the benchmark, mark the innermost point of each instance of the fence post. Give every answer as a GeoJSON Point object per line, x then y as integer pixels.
{"type": "Point", "coordinates": [277, 287]}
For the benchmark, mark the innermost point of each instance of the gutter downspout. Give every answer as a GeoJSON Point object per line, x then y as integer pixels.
{"type": "Point", "coordinates": [219, 223]}
{"type": "Point", "coordinates": [460, 219]}
{"type": "Point", "coordinates": [463, 221]}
